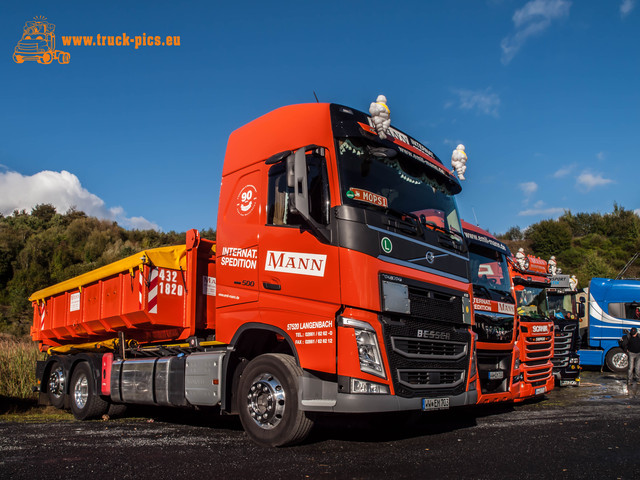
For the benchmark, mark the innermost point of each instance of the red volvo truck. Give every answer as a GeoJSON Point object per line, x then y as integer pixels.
{"type": "Point", "coordinates": [338, 283]}
{"type": "Point", "coordinates": [536, 330]}
{"type": "Point", "coordinates": [494, 316]}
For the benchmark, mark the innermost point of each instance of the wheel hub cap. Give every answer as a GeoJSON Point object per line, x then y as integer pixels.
{"type": "Point", "coordinates": [266, 401]}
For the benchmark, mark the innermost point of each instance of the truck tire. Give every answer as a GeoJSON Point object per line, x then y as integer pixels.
{"type": "Point", "coordinates": [56, 384]}
{"type": "Point", "coordinates": [84, 400]}
{"type": "Point", "coordinates": [267, 399]}
{"type": "Point", "coordinates": [616, 360]}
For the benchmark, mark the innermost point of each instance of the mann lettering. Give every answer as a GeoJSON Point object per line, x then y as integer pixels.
{"type": "Point", "coordinates": [296, 263]}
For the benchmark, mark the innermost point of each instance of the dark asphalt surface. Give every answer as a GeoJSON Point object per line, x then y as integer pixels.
{"type": "Point", "coordinates": [588, 432]}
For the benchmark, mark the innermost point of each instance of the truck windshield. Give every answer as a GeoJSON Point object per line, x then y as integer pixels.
{"type": "Point", "coordinates": [532, 302]}
{"type": "Point", "coordinates": [377, 177]}
{"type": "Point", "coordinates": [489, 270]}
{"type": "Point", "coordinates": [560, 304]}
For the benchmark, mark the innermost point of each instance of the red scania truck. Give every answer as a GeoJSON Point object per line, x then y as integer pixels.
{"type": "Point", "coordinates": [535, 336]}
{"type": "Point", "coordinates": [338, 283]}
{"type": "Point", "coordinates": [494, 316]}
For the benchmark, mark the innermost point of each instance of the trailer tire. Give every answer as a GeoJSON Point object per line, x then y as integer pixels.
{"type": "Point", "coordinates": [84, 400]}
{"type": "Point", "coordinates": [56, 384]}
{"type": "Point", "coordinates": [267, 399]}
{"type": "Point", "coordinates": [617, 361]}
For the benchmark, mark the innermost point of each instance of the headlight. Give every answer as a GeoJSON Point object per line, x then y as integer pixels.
{"type": "Point", "coordinates": [516, 364]}
{"type": "Point", "coordinates": [368, 349]}
{"type": "Point", "coordinates": [574, 360]}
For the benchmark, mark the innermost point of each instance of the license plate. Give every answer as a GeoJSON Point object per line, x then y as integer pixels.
{"type": "Point", "coordinates": [497, 375]}
{"type": "Point", "coordinates": [564, 383]}
{"type": "Point", "coordinates": [540, 390]}
{"type": "Point", "coordinates": [435, 403]}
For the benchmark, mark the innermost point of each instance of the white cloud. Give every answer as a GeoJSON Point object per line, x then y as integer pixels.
{"type": "Point", "coordinates": [637, 211]}
{"type": "Point", "coordinates": [482, 101]}
{"type": "Point", "coordinates": [552, 211]}
{"type": "Point", "coordinates": [626, 7]}
{"type": "Point", "coordinates": [529, 188]}
{"type": "Point", "coordinates": [62, 190]}
{"type": "Point", "coordinates": [589, 180]}
{"type": "Point", "coordinates": [601, 156]}
{"type": "Point", "coordinates": [564, 171]}
{"type": "Point", "coordinates": [532, 19]}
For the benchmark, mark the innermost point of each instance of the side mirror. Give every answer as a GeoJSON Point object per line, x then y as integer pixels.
{"type": "Point", "coordinates": [300, 184]}
{"type": "Point", "coordinates": [581, 310]}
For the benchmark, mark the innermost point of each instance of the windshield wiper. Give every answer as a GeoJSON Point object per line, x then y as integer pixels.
{"type": "Point", "coordinates": [435, 226]}
{"type": "Point", "coordinates": [482, 288]}
{"type": "Point", "coordinates": [503, 295]}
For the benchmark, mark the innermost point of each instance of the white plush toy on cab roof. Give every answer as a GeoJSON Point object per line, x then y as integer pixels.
{"type": "Point", "coordinates": [459, 161]}
{"type": "Point", "coordinates": [553, 266]}
{"type": "Point", "coordinates": [381, 116]}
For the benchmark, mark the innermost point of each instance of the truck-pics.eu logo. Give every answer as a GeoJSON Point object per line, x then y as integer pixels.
{"type": "Point", "coordinates": [38, 43]}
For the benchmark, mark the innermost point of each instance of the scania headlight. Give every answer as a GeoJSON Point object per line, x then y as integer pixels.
{"type": "Point", "coordinates": [574, 360]}
{"type": "Point", "coordinates": [368, 349]}
{"type": "Point", "coordinates": [516, 364]}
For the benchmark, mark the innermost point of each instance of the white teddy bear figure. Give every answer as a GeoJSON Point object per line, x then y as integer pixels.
{"type": "Point", "coordinates": [381, 116]}
{"type": "Point", "coordinates": [459, 161]}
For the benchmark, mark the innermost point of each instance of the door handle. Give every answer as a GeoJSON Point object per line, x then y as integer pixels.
{"type": "Point", "coordinates": [271, 286]}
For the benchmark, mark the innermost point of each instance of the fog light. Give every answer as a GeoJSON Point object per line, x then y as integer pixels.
{"type": "Point", "coordinates": [362, 386]}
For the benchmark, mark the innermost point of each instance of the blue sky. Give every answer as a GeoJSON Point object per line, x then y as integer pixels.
{"type": "Point", "coordinates": [544, 94]}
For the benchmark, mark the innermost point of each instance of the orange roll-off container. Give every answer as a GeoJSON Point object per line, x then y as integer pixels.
{"type": "Point", "coordinates": [157, 295]}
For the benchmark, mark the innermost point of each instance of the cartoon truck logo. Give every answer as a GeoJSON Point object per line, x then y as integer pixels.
{"type": "Point", "coordinates": [38, 43]}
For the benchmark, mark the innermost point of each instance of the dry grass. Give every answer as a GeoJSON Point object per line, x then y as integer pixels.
{"type": "Point", "coordinates": [17, 368]}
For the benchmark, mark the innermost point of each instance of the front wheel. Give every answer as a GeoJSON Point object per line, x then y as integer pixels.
{"type": "Point", "coordinates": [617, 361]}
{"type": "Point", "coordinates": [267, 399]}
{"type": "Point", "coordinates": [85, 401]}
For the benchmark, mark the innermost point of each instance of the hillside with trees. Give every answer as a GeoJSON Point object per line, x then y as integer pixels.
{"type": "Point", "coordinates": [44, 247]}
{"type": "Point", "coordinates": [586, 245]}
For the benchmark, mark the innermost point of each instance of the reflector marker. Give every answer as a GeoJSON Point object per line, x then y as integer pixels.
{"type": "Point", "coordinates": [153, 291]}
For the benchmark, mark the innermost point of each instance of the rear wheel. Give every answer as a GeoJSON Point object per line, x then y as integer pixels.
{"type": "Point", "coordinates": [56, 384]}
{"type": "Point", "coordinates": [616, 360]}
{"type": "Point", "coordinates": [83, 398]}
{"type": "Point", "coordinates": [268, 401]}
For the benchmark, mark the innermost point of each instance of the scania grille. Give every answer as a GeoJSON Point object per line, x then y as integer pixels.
{"type": "Point", "coordinates": [561, 348]}
{"type": "Point", "coordinates": [432, 305]}
{"type": "Point", "coordinates": [426, 358]}
{"type": "Point", "coordinates": [540, 374]}
{"type": "Point", "coordinates": [537, 350]}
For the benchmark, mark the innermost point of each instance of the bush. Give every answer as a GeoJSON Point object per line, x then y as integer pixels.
{"type": "Point", "coordinates": [18, 367]}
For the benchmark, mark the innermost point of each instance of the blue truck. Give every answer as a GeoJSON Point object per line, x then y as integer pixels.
{"type": "Point", "coordinates": [614, 308]}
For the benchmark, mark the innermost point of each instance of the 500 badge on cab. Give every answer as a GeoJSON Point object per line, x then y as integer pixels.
{"type": "Point", "coordinates": [168, 284]}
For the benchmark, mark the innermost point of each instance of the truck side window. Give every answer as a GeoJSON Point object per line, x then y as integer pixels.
{"type": "Point", "coordinates": [629, 311]}
{"type": "Point", "coordinates": [278, 212]}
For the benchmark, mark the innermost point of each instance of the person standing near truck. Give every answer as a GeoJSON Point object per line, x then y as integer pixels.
{"type": "Point", "coordinates": [631, 345]}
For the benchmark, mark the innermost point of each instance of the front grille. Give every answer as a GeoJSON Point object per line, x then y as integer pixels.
{"type": "Point", "coordinates": [426, 367]}
{"type": "Point", "coordinates": [432, 305]}
{"type": "Point", "coordinates": [540, 374]}
{"type": "Point", "coordinates": [428, 349]}
{"type": "Point", "coordinates": [565, 341]}
{"type": "Point", "coordinates": [430, 378]}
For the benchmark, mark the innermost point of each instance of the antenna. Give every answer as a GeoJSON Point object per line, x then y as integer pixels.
{"type": "Point", "coordinates": [314, 94]}
{"type": "Point", "coordinates": [474, 216]}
